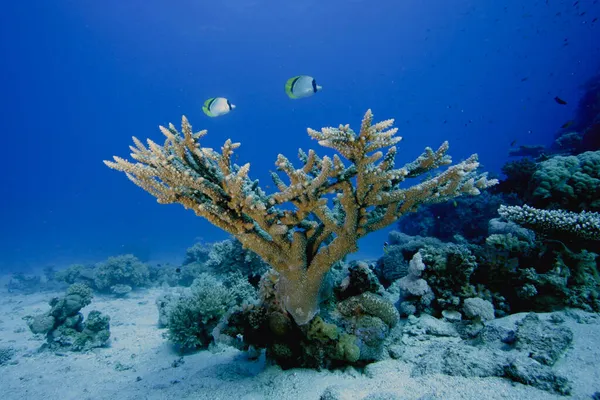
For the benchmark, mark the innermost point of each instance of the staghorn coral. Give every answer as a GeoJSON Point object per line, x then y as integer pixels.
{"type": "Point", "coordinates": [304, 241]}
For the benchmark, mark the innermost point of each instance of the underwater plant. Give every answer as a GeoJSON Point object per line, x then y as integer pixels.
{"type": "Point", "coordinates": [334, 205]}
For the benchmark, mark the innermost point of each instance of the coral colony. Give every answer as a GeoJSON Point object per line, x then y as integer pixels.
{"type": "Point", "coordinates": [301, 243]}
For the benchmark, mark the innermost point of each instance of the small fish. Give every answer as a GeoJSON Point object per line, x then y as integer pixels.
{"type": "Point", "coordinates": [524, 79]}
{"type": "Point", "coordinates": [301, 86]}
{"type": "Point", "coordinates": [385, 247]}
{"type": "Point", "coordinates": [513, 143]}
{"type": "Point", "coordinates": [178, 270]}
{"type": "Point", "coordinates": [567, 124]}
{"type": "Point", "coordinates": [454, 203]}
{"type": "Point", "coordinates": [559, 100]}
{"type": "Point", "coordinates": [217, 106]}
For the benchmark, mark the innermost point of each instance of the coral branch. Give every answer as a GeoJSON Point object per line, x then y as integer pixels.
{"type": "Point", "coordinates": [332, 205]}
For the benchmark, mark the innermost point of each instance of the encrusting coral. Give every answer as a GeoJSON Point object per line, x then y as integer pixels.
{"type": "Point", "coordinates": [300, 243]}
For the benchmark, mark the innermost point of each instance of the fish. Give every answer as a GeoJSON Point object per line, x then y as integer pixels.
{"type": "Point", "coordinates": [385, 247]}
{"type": "Point", "coordinates": [512, 144]}
{"type": "Point", "coordinates": [567, 124]}
{"type": "Point", "coordinates": [559, 100]}
{"type": "Point", "coordinates": [178, 270]}
{"type": "Point", "coordinates": [217, 106]}
{"type": "Point", "coordinates": [301, 86]}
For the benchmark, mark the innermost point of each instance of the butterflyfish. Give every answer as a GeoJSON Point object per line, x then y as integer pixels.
{"type": "Point", "coordinates": [217, 106]}
{"type": "Point", "coordinates": [301, 86]}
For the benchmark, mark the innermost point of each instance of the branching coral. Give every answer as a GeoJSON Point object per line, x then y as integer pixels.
{"type": "Point", "coordinates": [583, 225]}
{"type": "Point", "coordinates": [300, 242]}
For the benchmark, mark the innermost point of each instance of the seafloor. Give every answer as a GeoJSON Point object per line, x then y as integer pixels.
{"type": "Point", "coordinates": [140, 364]}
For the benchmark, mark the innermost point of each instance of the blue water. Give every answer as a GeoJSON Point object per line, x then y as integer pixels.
{"type": "Point", "coordinates": [79, 78]}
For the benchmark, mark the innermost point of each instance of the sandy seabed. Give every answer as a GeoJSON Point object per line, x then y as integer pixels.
{"type": "Point", "coordinates": [141, 364]}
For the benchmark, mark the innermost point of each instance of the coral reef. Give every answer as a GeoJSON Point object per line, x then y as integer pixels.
{"type": "Point", "coordinates": [229, 256]}
{"type": "Point", "coordinates": [397, 254]}
{"type": "Point", "coordinates": [518, 174]}
{"type": "Point", "coordinates": [351, 329]}
{"type": "Point", "coordinates": [478, 309]}
{"type": "Point", "coordinates": [524, 352]}
{"type": "Point", "coordinates": [302, 243]}
{"type": "Point", "coordinates": [583, 225]}
{"type": "Point", "coordinates": [415, 293]}
{"type": "Point", "coordinates": [192, 315]}
{"type": "Point", "coordinates": [220, 258]}
{"type": "Point", "coordinates": [118, 275]}
{"type": "Point", "coordinates": [121, 270]}
{"type": "Point", "coordinates": [571, 183]}
{"type": "Point", "coordinates": [64, 325]}
{"type": "Point", "coordinates": [583, 132]}
{"type": "Point", "coordinates": [76, 273]}
{"type": "Point", "coordinates": [466, 217]}
{"type": "Point", "coordinates": [197, 254]}
{"type": "Point", "coordinates": [534, 275]}
{"type": "Point", "coordinates": [448, 272]}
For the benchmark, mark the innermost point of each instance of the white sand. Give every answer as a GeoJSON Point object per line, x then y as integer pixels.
{"type": "Point", "coordinates": [146, 358]}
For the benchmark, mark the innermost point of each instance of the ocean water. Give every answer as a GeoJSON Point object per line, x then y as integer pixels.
{"type": "Point", "coordinates": [79, 78]}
